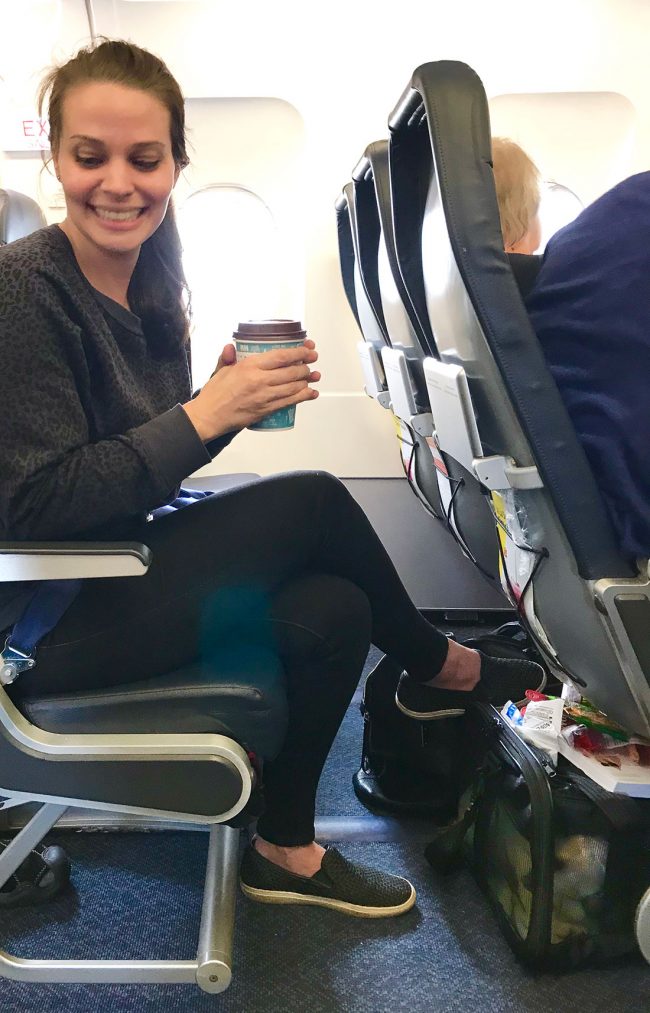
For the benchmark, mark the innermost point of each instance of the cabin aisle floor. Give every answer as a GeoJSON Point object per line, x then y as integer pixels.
{"type": "Point", "coordinates": [139, 895]}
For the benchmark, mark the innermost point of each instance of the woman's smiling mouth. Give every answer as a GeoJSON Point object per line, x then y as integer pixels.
{"type": "Point", "coordinates": [110, 215]}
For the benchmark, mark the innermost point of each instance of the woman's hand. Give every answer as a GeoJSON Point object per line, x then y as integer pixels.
{"type": "Point", "coordinates": [228, 357]}
{"type": "Point", "coordinates": [240, 393]}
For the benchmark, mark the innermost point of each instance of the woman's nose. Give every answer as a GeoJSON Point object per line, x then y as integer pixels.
{"type": "Point", "coordinates": [118, 178]}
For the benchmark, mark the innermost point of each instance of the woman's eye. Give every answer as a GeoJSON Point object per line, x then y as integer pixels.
{"type": "Point", "coordinates": [89, 161]}
{"type": "Point", "coordinates": [146, 165]}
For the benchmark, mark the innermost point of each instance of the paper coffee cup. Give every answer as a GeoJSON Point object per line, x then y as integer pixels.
{"type": "Point", "coordinates": [254, 336]}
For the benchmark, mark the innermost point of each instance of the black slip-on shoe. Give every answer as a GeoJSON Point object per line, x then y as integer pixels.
{"type": "Point", "coordinates": [43, 874]}
{"type": "Point", "coordinates": [502, 679]}
{"type": "Point", "coordinates": [339, 884]}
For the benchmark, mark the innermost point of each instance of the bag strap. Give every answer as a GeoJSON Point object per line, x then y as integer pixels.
{"type": "Point", "coordinates": [444, 851]}
{"type": "Point", "coordinates": [44, 610]}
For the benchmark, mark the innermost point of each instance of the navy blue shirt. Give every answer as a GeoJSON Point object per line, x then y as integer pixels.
{"type": "Point", "coordinates": [590, 308]}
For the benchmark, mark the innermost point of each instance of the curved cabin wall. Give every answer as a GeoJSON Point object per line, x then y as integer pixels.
{"type": "Point", "coordinates": [337, 70]}
{"type": "Point", "coordinates": [584, 140]}
{"type": "Point", "coordinates": [241, 218]}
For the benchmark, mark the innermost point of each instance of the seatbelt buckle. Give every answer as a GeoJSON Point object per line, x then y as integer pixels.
{"type": "Point", "coordinates": [13, 661]}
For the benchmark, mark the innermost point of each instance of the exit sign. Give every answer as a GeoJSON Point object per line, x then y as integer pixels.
{"type": "Point", "coordinates": [24, 133]}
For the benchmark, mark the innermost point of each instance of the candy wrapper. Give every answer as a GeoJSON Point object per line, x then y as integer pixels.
{"type": "Point", "coordinates": [584, 714]}
{"type": "Point", "coordinates": [609, 751]}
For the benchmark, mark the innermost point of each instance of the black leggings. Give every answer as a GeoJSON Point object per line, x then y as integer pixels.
{"type": "Point", "coordinates": [292, 554]}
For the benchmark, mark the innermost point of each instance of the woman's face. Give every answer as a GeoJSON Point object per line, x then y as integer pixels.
{"type": "Point", "coordinates": [115, 165]}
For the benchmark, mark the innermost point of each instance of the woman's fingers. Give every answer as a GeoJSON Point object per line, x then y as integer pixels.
{"type": "Point", "coordinates": [289, 374]}
{"type": "Point", "coordinates": [282, 357]}
{"type": "Point", "coordinates": [288, 391]}
{"type": "Point", "coordinates": [306, 394]}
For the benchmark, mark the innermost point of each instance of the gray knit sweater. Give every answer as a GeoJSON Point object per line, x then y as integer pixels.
{"type": "Point", "coordinates": [92, 433]}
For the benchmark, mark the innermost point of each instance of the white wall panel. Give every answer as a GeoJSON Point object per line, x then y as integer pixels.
{"type": "Point", "coordinates": [343, 66]}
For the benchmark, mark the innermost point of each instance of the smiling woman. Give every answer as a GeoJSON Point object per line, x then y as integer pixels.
{"type": "Point", "coordinates": [117, 135]}
{"type": "Point", "coordinates": [116, 167]}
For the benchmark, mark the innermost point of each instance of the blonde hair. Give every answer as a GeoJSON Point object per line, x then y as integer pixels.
{"type": "Point", "coordinates": [516, 179]}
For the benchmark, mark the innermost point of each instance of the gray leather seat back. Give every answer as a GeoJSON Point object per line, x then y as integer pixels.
{"type": "Point", "coordinates": [479, 321]}
{"type": "Point", "coordinates": [371, 323]}
{"type": "Point", "coordinates": [379, 260]}
{"type": "Point", "coordinates": [19, 216]}
{"type": "Point", "coordinates": [346, 253]}
{"type": "Point", "coordinates": [403, 196]}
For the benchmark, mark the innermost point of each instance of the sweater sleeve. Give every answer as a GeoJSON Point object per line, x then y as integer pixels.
{"type": "Point", "coordinates": [55, 482]}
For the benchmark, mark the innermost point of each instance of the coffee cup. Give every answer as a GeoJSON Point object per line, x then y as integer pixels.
{"type": "Point", "coordinates": [254, 336]}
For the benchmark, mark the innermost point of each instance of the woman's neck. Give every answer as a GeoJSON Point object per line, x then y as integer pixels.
{"type": "Point", "coordinates": [109, 273]}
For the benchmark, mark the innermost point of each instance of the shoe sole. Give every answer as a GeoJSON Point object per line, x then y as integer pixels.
{"type": "Point", "coordinates": [438, 715]}
{"type": "Point", "coordinates": [451, 712]}
{"type": "Point", "coordinates": [356, 910]}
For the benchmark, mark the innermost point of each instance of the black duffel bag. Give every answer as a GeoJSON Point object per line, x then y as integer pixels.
{"type": "Point", "coordinates": [406, 765]}
{"type": "Point", "coordinates": [410, 766]}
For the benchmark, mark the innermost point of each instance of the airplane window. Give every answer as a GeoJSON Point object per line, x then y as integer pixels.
{"type": "Point", "coordinates": [230, 256]}
{"type": "Point", "coordinates": [558, 206]}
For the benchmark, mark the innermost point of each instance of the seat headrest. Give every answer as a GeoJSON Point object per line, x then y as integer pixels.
{"type": "Point", "coordinates": [19, 215]}
{"type": "Point", "coordinates": [346, 248]}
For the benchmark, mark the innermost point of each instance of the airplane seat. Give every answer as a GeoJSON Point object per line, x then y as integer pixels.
{"type": "Point", "coordinates": [404, 372]}
{"type": "Point", "coordinates": [186, 747]}
{"type": "Point", "coordinates": [525, 268]}
{"type": "Point", "coordinates": [465, 505]}
{"type": "Point", "coordinates": [19, 215]}
{"type": "Point", "coordinates": [346, 253]}
{"type": "Point", "coordinates": [369, 321]}
{"type": "Point", "coordinates": [586, 606]}
{"type": "Point", "coordinates": [371, 360]}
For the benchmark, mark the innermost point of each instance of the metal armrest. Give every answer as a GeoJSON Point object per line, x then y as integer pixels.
{"type": "Point", "coordinates": [71, 560]}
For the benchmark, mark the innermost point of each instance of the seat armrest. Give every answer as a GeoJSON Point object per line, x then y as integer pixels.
{"type": "Point", "coordinates": [72, 560]}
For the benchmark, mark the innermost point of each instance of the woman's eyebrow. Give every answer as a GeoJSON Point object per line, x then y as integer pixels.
{"type": "Point", "coordinates": [95, 140]}
{"type": "Point", "coordinates": [148, 144]}
{"type": "Point", "coordinates": [85, 137]}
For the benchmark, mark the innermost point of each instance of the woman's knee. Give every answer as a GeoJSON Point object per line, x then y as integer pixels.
{"type": "Point", "coordinates": [323, 611]}
{"type": "Point", "coordinates": [320, 483]}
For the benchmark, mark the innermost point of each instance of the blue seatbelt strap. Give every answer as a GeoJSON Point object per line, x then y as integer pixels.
{"type": "Point", "coordinates": [186, 497]}
{"type": "Point", "coordinates": [47, 605]}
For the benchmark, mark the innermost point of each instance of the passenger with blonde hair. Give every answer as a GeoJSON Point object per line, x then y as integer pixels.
{"type": "Point", "coordinates": [516, 178]}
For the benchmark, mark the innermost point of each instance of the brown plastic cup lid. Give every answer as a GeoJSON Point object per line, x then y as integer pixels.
{"type": "Point", "coordinates": [270, 330]}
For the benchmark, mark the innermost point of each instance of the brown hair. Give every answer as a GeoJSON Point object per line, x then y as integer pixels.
{"type": "Point", "coordinates": [158, 288]}
{"type": "Point", "coordinates": [516, 178]}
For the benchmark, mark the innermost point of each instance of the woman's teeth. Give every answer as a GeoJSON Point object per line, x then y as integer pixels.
{"type": "Point", "coordinates": [118, 216]}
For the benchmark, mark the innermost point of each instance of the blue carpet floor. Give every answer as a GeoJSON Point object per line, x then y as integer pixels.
{"type": "Point", "coordinates": [139, 896]}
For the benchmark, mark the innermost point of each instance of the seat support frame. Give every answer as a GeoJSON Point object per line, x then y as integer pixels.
{"type": "Point", "coordinates": [211, 970]}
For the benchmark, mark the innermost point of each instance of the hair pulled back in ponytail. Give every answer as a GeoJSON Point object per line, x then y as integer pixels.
{"type": "Point", "coordinates": [158, 288]}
